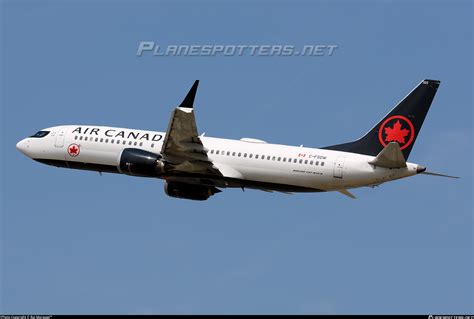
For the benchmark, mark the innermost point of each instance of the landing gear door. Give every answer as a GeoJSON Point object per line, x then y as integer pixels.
{"type": "Point", "coordinates": [59, 142]}
{"type": "Point", "coordinates": [339, 167]}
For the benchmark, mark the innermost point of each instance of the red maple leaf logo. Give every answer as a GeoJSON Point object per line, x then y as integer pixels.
{"type": "Point", "coordinates": [396, 133]}
{"type": "Point", "coordinates": [73, 150]}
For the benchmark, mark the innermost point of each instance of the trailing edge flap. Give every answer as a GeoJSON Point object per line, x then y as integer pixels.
{"type": "Point", "coordinates": [390, 157]}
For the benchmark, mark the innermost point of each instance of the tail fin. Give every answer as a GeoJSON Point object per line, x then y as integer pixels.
{"type": "Point", "coordinates": [401, 125]}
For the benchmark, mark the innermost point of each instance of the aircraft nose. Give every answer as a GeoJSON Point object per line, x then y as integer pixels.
{"type": "Point", "coordinates": [22, 146]}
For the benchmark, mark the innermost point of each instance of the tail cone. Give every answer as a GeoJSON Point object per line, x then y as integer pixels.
{"type": "Point", "coordinates": [420, 169]}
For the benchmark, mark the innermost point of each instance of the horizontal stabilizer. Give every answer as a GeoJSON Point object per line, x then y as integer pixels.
{"type": "Point", "coordinates": [390, 157]}
{"type": "Point", "coordinates": [437, 174]}
{"type": "Point", "coordinates": [347, 193]}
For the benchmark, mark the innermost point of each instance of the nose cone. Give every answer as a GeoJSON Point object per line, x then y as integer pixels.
{"type": "Point", "coordinates": [22, 146]}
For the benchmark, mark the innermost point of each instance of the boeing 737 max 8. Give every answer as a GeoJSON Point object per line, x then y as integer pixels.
{"type": "Point", "coordinates": [196, 167]}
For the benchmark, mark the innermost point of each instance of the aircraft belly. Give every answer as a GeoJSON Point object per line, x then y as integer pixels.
{"type": "Point", "coordinates": [279, 176]}
{"type": "Point", "coordinates": [102, 157]}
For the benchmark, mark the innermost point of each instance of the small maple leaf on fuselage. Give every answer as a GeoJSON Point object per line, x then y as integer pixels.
{"type": "Point", "coordinates": [396, 133]}
{"type": "Point", "coordinates": [73, 149]}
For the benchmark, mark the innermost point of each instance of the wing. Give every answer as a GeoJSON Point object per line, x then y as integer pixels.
{"type": "Point", "coordinates": [182, 147]}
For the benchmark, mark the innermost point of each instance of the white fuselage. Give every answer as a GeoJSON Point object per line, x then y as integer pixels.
{"type": "Point", "coordinates": [246, 159]}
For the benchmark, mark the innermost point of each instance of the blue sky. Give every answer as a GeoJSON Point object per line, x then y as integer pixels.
{"type": "Point", "coordinates": [77, 242]}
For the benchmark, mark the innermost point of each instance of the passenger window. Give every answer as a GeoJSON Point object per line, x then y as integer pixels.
{"type": "Point", "coordinates": [85, 138]}
{"type": "Point", "coordinates": [256, 156]}
{"type": "Point", "coordinates": [112, 141]}
{"type": "Point", "coordinates": [101, 140]}
{"type": "Point", "coordinates": [316, 163]}
{"type": "Point", "coordinates": [228, 153]}
{"type": "Point", "coordinates": [152, 144]}
{"type": "Point", "coordinates": [239, 154]}
{"type": "Point", "coordinates": [284, 159]}
{"type": "Point", "coordinates": [217, 152]}
{"type": "Point", "coordinates": [124, 142]}
{"type": "Point", "coordinates": [106, 140]}
{"type": "Point", "coordinates": [129, 142]}
{"type": "Point", "coordinates": [233, 153]}
{"type": "Point", "coordinates": [268, 157]}
{"type": "Point", "coordinates": [245, 154]}
{"type": "Point", "coordinates": [311, 163]}
{"type": "Point", "coordinates": [80, 138]}
{"type": "Point", "coordinates": [118, 142]}
{"type": "Point", "coordinates": [212, 151]}
{"type": "Point", "coordinates": [96, 139]}
{"type": "Point", "coordinates": [135, 144]}
{"type": "Point", "coordinates": [301, 161]}
{"type": "Point", "coordinates": [279, 159]}
{"type": "Point", "coordinates": [306, 161]}
{"type": "Point", "coordinates": [75, 137]}
{"type": "Point", "coordinates": [295, 160]}
{"type": "Point", "coordinates": [250, 155]}
{"type": "Point", "coordinates": [141, 143]}
{"type": "Point", "coordinates": [322, 163]}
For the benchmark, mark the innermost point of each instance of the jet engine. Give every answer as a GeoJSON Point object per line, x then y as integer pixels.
{"type": "Point", "coordinates": [137, 162]}
{"type": "Point", "coordinates": [189, 191]}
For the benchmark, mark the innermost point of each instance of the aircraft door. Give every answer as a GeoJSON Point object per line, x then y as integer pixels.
{"type": "Point", "coordinates": [59, 142]}
{"type": "Point", "coordinates": [339, 167]}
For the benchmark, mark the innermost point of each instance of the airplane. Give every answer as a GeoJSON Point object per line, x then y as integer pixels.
{"type": "Point", "coordinates": [197, 167]}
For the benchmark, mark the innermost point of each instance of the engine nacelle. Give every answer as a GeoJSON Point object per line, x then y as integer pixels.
{"type": "Point", "coordinates": [137, 162]}
{"type": "Point", "coordinates": [189, 191]}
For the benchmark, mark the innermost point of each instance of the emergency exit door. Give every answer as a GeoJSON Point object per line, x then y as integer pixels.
{"type": "Point", "coordinates": [60, 138]}
{"type": "Point", "coordinates": [339, 167]}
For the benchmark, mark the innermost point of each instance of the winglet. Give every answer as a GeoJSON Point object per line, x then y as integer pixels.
{"type": "Point", "coordinates": [390, 157]}
{"type": "Point", "coordinates": [189, 99]}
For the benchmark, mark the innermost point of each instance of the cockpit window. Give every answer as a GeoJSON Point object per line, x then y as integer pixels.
{"type": "Point", "coordinates": [40, 134]}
